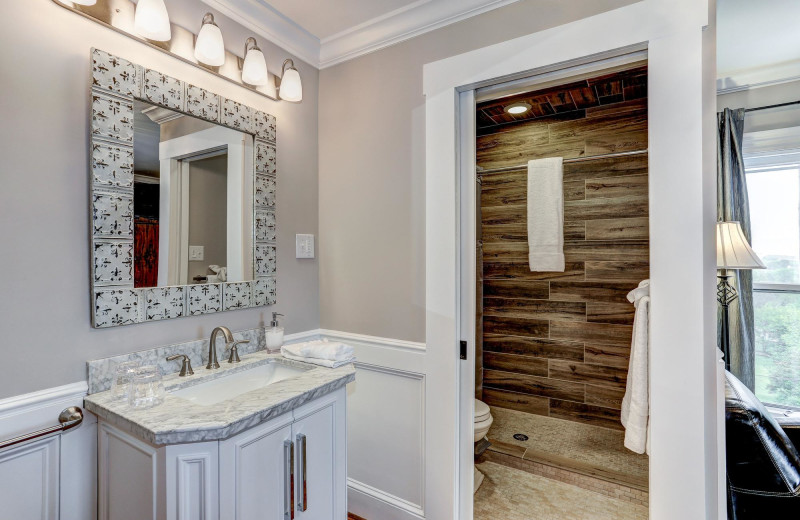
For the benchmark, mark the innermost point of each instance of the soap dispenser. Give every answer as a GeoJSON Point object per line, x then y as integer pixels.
{"type": "Point", "coordinates": [274, 333]}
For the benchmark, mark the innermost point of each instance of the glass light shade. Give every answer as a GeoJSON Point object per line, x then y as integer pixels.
{"type": "Point", "coordinates": [254, 69]}
{"type": "Point", "coordinates": [291, 87]}
{"type": "Point", "coordinates": [152, 20]}
{"type": "Point", "coordinates": [518, 108]}
{"type": "Point", "coordinates": [209, 47]}
{"type": "Point", "coordinates": [733, 250]}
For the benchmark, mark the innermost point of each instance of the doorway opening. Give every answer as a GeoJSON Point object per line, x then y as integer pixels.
{"type": "Point", "coordinates": [552, 348]}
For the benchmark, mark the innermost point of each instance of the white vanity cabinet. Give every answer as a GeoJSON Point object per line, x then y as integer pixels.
{"type": "Point", "coordinates": [292, 466]}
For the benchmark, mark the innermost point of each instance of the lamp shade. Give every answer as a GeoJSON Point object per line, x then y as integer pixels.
{"type": "Point", "coordinates": [733, 250]}
{"type": "Point", "coordinates": [254, 69]}
{"type": "Point", "coordinates": [152, 21]}
{"type": "Point", "coordinates": [291, 86]}
{"type": "Point", "coordinates": [209, 47]}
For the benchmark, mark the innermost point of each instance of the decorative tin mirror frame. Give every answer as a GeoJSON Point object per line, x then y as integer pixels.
{"type": "Point", "coordinates": [116, 83]}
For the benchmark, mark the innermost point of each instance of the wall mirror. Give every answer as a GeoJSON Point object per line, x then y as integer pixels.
{"type": "Point", "coordinates": [183, 198]}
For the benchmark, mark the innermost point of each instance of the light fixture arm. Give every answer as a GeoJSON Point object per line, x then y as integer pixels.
{"type": "Point", "coordinates": [208, 18]}
{"type": "Point", "coordinates": [250, 43]}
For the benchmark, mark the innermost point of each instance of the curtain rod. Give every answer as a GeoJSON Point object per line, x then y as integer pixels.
{"type": "Point", "coordinates": [790, 103]}
{"type": "Point", "coordinates": [566, 161]}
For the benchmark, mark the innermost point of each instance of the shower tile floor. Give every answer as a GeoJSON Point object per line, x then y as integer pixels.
{"type": "Point", "coordinates": [512, 494]}
{"type": "Point", "coordinates": [586, 446]}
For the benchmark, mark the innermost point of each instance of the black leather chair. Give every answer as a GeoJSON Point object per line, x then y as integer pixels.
{"type": "Point", "coordinates": [763, 463]}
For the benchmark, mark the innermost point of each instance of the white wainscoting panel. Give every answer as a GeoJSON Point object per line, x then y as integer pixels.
{"type": "Point", "coordinates": [385, 428]}
{"type": "Point", "coordinates": [55, 477]}
{"type": "Point", "coordinates": [29, 480]}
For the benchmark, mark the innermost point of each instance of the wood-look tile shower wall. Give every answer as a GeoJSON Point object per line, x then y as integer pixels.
{"type": "Point", "coordinates": [558, 343]}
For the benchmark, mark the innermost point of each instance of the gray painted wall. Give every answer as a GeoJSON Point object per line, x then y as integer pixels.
{"type": "Point", "coordinates": [44, 289]}
{"type": "Point", "coordinates": [372, 168]}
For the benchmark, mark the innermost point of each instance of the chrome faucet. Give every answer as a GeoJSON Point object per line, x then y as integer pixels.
{"type": "Point", "coordinates": [212, 345]}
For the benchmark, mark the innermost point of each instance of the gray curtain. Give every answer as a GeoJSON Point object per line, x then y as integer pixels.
{"type": "Point", "coordinates": [733, 204]}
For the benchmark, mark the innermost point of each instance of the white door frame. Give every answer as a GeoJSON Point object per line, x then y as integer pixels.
{"type": "Point", "coordinates": [684, 395]}
{"type": "Point", "coordinates": [175, 156]}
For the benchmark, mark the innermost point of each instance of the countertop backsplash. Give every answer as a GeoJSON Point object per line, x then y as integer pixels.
{"type": "Point", "coordinates": [101, 371]}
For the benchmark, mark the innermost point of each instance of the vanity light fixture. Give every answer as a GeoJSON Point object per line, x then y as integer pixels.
{"type": "Point", "coordinates": [209, 48]}
{"type": "Point", "coordinates": [152, 20]}
{"type": "Point", "coordinates": [289, 86]}
{"type": "Point", "coordinates": [254, 68]}
{"type": "Point", "coordinates": [517, 108]}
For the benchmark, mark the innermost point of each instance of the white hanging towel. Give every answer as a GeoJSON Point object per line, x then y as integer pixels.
{"type": "Point", "coordinates": [636, 403]}
{"type": "Point", "coordinates": [546, 215]}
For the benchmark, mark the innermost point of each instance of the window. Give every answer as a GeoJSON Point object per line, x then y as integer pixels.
{"type": "Point", "coordinates": [773, 184]}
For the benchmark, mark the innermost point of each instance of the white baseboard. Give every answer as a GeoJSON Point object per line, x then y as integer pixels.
{"type": "Point", "coordinates": [374, 503]}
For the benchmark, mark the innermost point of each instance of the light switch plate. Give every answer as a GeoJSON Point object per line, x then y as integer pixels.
{"type": "Point", "coordinates": [304, 246]}
{"type": "Point", "coordinates": [196, 253]}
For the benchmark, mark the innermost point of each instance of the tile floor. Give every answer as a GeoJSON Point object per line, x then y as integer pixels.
{"type": "Point", "coordinates": [586, 444]}
{"type": "Point", "coordinates": [511, 494]}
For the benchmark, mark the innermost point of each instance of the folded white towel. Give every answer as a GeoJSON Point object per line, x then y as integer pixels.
{"type": "Point", "coordinates": [220, 274]}
{"type": "Point", "coordinates": [321, 362]}
{"type": "Point", "coordinates": [546, 215]}
{"type": "Point", "coordinates": [636, 403]}
{"type": "Point", "coordinates": [321, 349]}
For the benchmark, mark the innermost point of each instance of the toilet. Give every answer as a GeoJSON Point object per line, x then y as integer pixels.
{"type": "Point", "coordinates": [483, 420]}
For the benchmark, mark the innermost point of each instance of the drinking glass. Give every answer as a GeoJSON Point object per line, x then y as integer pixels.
{"type": "Point", "coordinates": [123, 376]}
{"type": "Point", "coordinates": [147, 389]}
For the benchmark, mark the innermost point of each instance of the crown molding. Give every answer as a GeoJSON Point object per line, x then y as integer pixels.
{"type": "Point", "coordinates": [400, 25]}
{"type": "Point", "coordinates": [393, 27]}
{"type": "Point", "coordinates": [265, 21]}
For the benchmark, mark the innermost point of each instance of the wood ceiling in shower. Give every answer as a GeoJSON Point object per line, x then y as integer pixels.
{"type": "Point", "coordinates": [572, 98]}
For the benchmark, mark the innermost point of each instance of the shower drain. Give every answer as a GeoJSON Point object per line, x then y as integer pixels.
{"type": "Point", "coordinates": [520, 436]}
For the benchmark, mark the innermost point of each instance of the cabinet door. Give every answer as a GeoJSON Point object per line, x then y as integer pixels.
{"type": "Point", "coordinates": [255, 473]}
{"type": "Point", "coordinates": [314, 442]}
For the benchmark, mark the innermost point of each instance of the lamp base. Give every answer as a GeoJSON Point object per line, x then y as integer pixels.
{"type": "Point", "coordinates": [726, 294]}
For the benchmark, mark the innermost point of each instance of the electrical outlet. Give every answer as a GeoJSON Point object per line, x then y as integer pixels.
{"type": "Point", "coordinates": [196, 253]}
{"type": "Point", "coordinates": [304, 246]}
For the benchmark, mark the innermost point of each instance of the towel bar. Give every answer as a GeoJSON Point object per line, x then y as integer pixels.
{"type": "Point", "coordinates": [67, 419]}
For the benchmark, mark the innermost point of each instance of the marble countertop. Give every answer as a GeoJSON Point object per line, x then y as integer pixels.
{"type": "Point", "coordinates": [178, 421]}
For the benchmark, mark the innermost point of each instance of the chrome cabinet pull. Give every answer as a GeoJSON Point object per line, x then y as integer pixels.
{"type": "Point", "coordinates": [288, 479]}
{"type": "Point", "coordinates": [302, 491]}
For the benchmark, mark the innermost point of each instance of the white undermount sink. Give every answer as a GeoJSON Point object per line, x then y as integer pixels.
{"type": "Point", "coordinates": [228, 387]}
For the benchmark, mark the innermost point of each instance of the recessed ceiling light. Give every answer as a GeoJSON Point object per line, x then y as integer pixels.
{"type": "Point", "coordinates": [517, 108]}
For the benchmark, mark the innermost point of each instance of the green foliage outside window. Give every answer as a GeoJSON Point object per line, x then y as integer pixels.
{"type": "Point", "coordinates": [777, 335]}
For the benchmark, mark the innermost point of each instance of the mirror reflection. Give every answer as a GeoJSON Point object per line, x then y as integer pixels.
{"type": "Point", "coordinates": [192, 200]}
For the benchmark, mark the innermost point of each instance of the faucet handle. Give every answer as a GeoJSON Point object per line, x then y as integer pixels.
{"type": "Point", "coordinates": [234, 357]}
{"type": "Point", "coordinates": [186, 365]}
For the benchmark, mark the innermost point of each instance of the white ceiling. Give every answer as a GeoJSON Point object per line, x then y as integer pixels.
{"type": "Point", "coordinates": [327, 32]}
{"type": "Point", "coordinates": [758, 41]}
{"type": "Point", "coordinates": [324, 18]}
